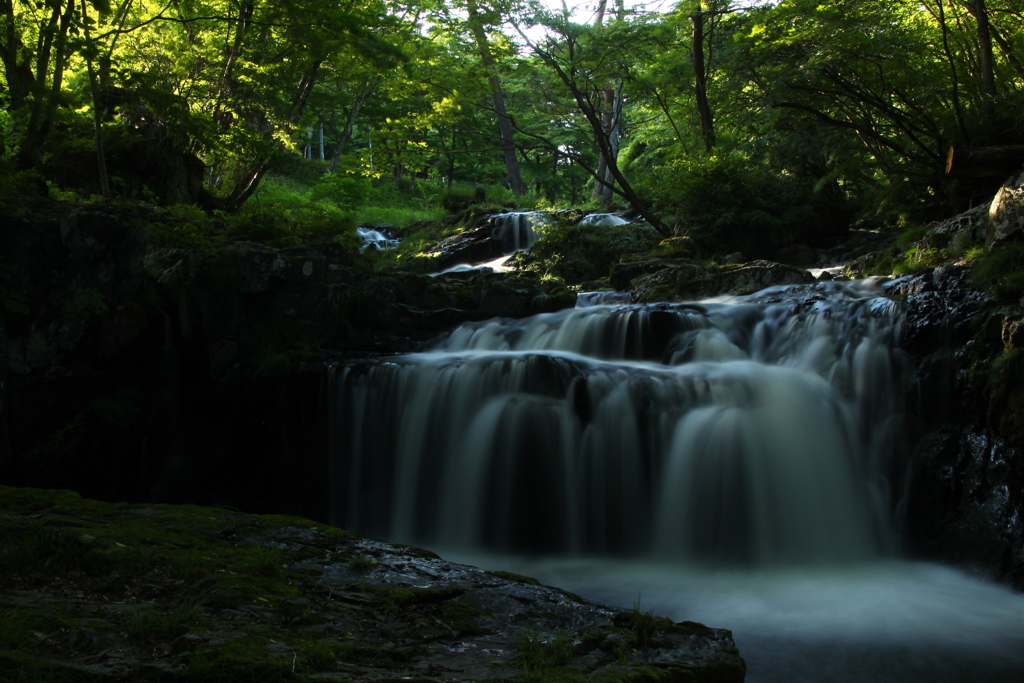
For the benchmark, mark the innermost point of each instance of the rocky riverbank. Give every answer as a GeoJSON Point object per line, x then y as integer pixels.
{"type": "Point", "coordinates": [115, 592]}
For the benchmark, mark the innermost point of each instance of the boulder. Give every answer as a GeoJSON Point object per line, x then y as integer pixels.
{"type": "Point", "coordinates": [471, 246]}
{"type": "Point", "coordinates": [623, 274]}
{"type": "Point", "coordinates": [1005, 216]}
{"type": "Point", "coordinates": [274, 598]}
{"type": "Point", "coordinates": [677, 247]}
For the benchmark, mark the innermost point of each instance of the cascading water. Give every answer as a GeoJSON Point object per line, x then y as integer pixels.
{"type": "Point", "coordinates": [721, 432]}
{"type": "Point", "coordinates": [375, 239]}
{"type": "Point", "coordinates": [515, 230]}
{"type": "Point", "coordinates": [760, 435]}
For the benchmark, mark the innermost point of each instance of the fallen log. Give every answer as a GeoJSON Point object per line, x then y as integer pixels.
{"type": "Point", "coordinates": [984, 162]}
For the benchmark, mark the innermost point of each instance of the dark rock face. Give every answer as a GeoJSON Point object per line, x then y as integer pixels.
{"type": "Point", "coordinates": [966, 502]}
{"type": "Point", "coordinates": [200, 375]}
{"type": "Point", "coordinates": [75, 351]}
{"type": "Point", "coordinates": [965, 495]}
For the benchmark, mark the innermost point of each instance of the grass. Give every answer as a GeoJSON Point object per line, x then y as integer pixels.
{"type": "Point", "coordinates": [1000, 272]}
{"type": "Point", "coordinates": [319, 655]}
{"type": "Point", "coordinates": [147, 624]}
{"type": "Point", "coordinates": [537, 655]}
{"type": "Point", "coordinates": [643, 624]}
{"type": "Point", "coordinates": [362, 563]}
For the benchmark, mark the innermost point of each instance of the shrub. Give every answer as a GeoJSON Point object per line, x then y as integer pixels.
{"type": "Point", "coordinates": [731, 204]}
{"type": "Point", "coordinates": [577, 253]}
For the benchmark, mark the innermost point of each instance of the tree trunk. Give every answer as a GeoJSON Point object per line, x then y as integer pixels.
{"type": "Point", "coordinates": [601, 189]}
{"type": "Point", "coordinates": [350, 124]}
{"type": "Point", "coordinates": [623, 189]}
{"type": "Point", "coordinates": [984, 162]}
{"type": "Point", "coordinates": [707, 127]}
{"type": "Point", "coordinates": [476, 25]}
{"type": "Point", "coordinates": [52, 48]}
{"type": "Point", "coordinates": [988, 81]}
{"type": "Point", "coordinates": [97, 114]}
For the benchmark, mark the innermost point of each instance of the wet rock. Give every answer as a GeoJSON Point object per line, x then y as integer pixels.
{"type": "Point", "coordinates": [471, 246]}
{"type": "Point", "coordinates": [1006, 214]}
{"type": "Point", "coordinates": [963, 502]}
{"type": "Point", "coordinates": [965, 505]}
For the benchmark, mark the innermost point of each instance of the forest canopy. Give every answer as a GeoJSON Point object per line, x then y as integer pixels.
{"type": "Point", "coordinates": [786, 116]}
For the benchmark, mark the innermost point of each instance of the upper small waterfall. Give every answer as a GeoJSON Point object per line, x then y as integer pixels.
{"type": "Point", "coordinates": [515, 230]}
{"type": "Point", "coordinates": [756, 431]}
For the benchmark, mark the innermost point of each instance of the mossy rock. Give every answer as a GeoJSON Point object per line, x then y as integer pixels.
{"type": "Point", "coordinates": [204, 594]}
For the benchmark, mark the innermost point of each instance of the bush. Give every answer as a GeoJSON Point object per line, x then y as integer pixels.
{"type": "Point", "coordinates": [347, 192]}
{"type": "Point", "coordinates": [730, 204]}
{"type": "Point", "coordinates": [577, 253]}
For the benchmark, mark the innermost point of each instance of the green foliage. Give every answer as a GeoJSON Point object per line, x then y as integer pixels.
{"type": "Point", "coordinates": [184, 227]}
{"type": "Point", "coordinates": [1001, 271]}
{"type": "Point", "coordinates": [731, 204]}
{"type": "Point", "coordinates": [15, 187]}
{"type": "Point", "coordinates": [348, 192]}
{"type": "Point", "coordinates": [578, 253]}
{"type": "Point", "coordinates": [285, 213]}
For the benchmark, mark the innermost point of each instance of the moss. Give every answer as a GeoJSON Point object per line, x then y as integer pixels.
{"type": "Point", "coordinates": [246, 659]}
{"type": "Point", "coordinates": [462, 618]}
{"type": "Point", "coordinates": [1003, 379]}
{"type": "Point", "coordinates": [392, 599]}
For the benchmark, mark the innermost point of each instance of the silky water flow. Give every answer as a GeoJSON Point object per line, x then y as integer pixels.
{"type": "Point", "coordinates": [739, 462]}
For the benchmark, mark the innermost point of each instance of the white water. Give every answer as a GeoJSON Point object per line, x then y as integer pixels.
{"type": "Point", "coordinates": [376, 239]}
{"type": "Point", "coordinates": [737, 463]}
{"type": "Point", "coordinates": [607, 219]}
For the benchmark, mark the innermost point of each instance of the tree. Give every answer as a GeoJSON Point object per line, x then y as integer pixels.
{"type": "Point", "coordinates": [476, 26]}
{"type": "Point", "coordinates": [581, 59]}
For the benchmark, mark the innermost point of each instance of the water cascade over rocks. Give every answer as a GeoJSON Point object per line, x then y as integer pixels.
{"type": "Point", "coordinates": [740, 433]}
{"type": "Point", "coordinates": [738, 463]}
{"type": "Point", "coordinates": [515, 230]}
{"type": "Point", "coordinates": [375, 239]}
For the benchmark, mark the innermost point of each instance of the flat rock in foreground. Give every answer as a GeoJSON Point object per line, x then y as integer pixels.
{"type": "Point", "coordinates": [97, 591]}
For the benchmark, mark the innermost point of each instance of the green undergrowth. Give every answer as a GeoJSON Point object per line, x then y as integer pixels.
{"type": "Point", "coordinates": [580, 253]}
{"type": "Point", "coordinates": [1000, 272]}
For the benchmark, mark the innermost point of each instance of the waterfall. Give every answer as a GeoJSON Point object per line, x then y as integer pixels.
{"type": "Point", "coordinates": [515, 230]}
{"type": "Point", "coordinates": [758, 431]}
{"type": "Point", "coordinates": [375, 239]}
